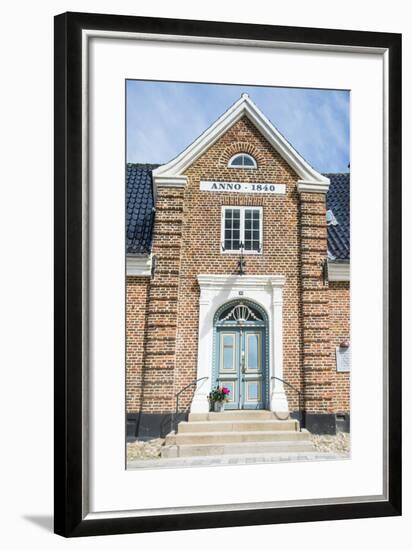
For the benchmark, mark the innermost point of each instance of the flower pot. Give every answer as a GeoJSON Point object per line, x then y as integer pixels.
{"type": "Point", "coordinates": [219, 406]}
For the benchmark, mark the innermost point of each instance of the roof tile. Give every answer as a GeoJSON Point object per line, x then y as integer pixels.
{"type": "Point", "coordinates": [338, 200]}
{"type": "Point", "coordinates": [140, 208]}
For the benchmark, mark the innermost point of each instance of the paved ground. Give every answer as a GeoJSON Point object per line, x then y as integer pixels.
{"type": "Point", "coordinates": [144, 450]}
{"type": "Point", "coordinates": [146, 454]}
{"type": "Point", "coordinates": [339, 443]}
{"type": "Point", "coordinates": [234, 460]}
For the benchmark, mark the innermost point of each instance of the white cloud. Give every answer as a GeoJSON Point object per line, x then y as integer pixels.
{"type": "Point", "coordinates": [164, 118]}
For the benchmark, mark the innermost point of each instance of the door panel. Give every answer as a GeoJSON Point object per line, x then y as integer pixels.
{"type": "Point", "coordinates": [253, 359]}
{"type": "Point", "coordinates": [228, 365]}
{"type": "Point", "coordinates": [252, 373]}
{"type": "Point", "coordinates": [228, 352]}
{"type": "Point", "coordinates": [240, 364]}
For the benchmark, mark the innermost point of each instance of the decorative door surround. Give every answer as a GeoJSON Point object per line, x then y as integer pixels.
{"type": "Point", "coordinates": [265, 290]}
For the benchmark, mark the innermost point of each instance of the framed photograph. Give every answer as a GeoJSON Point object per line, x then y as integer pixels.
{"type": "Point", "coordinates": [227, 274]}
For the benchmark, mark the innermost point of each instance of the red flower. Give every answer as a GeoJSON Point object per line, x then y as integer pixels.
{"type": "Point", "coordinates": [226, 391]}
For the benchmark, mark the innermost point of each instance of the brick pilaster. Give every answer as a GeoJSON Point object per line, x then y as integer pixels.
{"type": "Point", "coordinates": [136, 307]}
{"type": "Point", "coordinates": [317, 357]}
{"type": "Point", "coordinates": [160, 346]}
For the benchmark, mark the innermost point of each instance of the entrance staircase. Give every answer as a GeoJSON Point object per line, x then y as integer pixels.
{"type": "Point", "coordinates": [236, 433]}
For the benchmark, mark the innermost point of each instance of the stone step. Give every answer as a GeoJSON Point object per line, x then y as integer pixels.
{"type": "Point", "coordinates": [271, 447]}
{"type": "Point", "coordinates": [223, 438]}
{"type": "Point", "coordinates": [235, 425]}
{"type": "Point", "coordinates": [239, 415]}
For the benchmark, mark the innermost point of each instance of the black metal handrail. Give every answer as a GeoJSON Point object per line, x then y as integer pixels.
{"type": "Point", "coordinates": [177, 395]}
{"type": "Point", "coordinates": [299, 399]}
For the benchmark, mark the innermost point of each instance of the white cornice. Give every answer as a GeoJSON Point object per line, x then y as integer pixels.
{"type": "Point", "coordinates": [239, 281]}
{"type": "Point", "coordinates": [243, 107]}
{"type": "Point", "coordinates": [139, 266]}
{"type": "Point", "coordinates": [339, 271]}
{"type": "Point", "coordinates": [312, 187]}
{"type": "Point", "coordinates": [171, 181]}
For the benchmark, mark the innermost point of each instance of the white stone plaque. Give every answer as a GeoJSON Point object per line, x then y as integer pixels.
{"type": "Point", "coordinates": [342, 359]}
{"type": "Point", "coordinates": [238, 187]}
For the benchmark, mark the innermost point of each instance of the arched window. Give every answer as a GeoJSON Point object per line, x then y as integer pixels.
{"type": "Point", "coordinates": [240, 312]}
{"type": "Point", "coordinates": [242, 160]}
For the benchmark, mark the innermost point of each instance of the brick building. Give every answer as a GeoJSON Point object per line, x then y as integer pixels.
{"type": "Point", "coordinates": [237, 275]}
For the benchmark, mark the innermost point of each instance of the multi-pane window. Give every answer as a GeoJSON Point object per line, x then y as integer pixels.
{"type": "Point", "coordinates": [231, 229]}
{"type": "Point", "coordinates": [252, 229]}
{"type": "Point", "coordinates": [242, 228]}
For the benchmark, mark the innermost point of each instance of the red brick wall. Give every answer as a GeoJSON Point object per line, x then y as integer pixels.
{"type": "Point", "coordinates": [317, 357]}
{"type": "Point", "coordinates": [160, 346]}
{"type": "Point", "coordinates": [339, 303]}
{"type": "Point", "coordinates": [162, 350]}
{"type": "Point", "coordinates": [136, 309]}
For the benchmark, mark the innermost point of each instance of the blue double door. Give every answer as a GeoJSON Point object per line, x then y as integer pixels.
{"type": "Point", "coordinates": [241, 366]}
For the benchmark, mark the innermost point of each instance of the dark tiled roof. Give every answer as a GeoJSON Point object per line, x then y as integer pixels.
{"type": "Point", "coordinates": [338, 200]}
{"type": "Point", "coordinates": [140, 213]}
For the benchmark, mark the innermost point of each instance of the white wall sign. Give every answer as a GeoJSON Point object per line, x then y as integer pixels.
{"type": "Point", "coordinates": [342, 359]}
{"type": "Point", "coordinates": [238, 187]}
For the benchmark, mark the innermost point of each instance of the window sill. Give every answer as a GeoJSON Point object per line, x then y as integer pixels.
{"type": "Point", "coordinates": [243, 167]}
{"type": "Point", "coordinates": [245, 252]}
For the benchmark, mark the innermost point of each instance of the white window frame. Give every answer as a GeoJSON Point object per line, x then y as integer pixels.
{"type": "Point", "coordinates": [333, 220]}
{"type": "Point", "coordinates": [242, 230]}
{"type": "Point", "coordinates": [254, 167]}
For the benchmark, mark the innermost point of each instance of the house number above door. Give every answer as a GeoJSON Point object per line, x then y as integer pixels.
{"type": "Point", "coordinates": [238, 187]}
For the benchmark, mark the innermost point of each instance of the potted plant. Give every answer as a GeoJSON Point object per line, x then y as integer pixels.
{"type": "Point", "coordinates": [217, 398]}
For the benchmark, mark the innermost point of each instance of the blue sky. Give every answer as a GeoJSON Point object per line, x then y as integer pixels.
{"type": "Point", "coordinates": [163, 118]}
